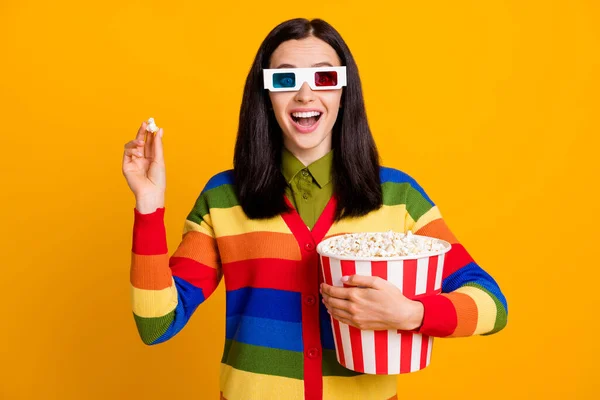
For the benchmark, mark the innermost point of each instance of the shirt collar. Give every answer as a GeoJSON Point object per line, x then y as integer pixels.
{"type": "Point", "coordinates": [319, 169]}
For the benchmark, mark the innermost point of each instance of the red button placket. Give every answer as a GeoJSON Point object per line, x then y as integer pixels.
{"type": "Point", "coordinates": [311, 333]}
{"type": "Point", "coordinates": [310, 323]}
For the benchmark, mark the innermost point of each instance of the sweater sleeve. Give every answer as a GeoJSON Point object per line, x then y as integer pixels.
{"type": "Point", "coordinates": [165, 291]}
{"type": "Point", "coordinates": [471, 302]}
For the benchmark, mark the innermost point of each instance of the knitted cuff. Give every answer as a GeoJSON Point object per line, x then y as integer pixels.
{"type": "Point", "coordinates": [149, 235]}
{"type": "Point", "coordinates": [439, 316]}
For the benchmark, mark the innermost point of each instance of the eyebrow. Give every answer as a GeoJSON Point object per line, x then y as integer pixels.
{"type": "Point", "coordinates": [321, 64]}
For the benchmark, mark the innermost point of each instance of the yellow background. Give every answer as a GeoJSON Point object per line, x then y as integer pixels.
{"type": "Point", "coordinates": [491, 105]}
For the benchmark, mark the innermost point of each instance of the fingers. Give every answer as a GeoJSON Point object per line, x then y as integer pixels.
{"type": "Point", "coordinates": [334, 291]}
{"type": "Point", "coordinates": [146, 144]}
{"type": "Point", "coordinates": [141, 133]}
{"type": "Point", "coordinates": [340, 314]}
{"type": "Point", "coordinates": [347, 321]}
{"type": "Point", "coordinates": [134, 144]}
{"type": "Point", "coordinates": [363, 281]}
{"type": "Point", "coordinates": [158, 146]}
{"type": "Point", "coordinates": [134, 152]}
{"type": "Point", "coordinates": [333, 302]}
{"type": "Point", "coordinates": [133, 149]}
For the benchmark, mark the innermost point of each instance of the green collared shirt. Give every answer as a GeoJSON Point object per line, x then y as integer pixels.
{"type": "Point", "coordinates": [309, 187]}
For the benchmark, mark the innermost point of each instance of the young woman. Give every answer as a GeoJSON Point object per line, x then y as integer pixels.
{"type": "Point", "coordinates": [305, 168]}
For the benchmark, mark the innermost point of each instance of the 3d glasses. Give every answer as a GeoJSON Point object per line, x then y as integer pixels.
{"type": "Point", "coordinates": [291, 79]}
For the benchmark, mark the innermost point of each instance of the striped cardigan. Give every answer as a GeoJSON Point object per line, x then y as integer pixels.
{"type": "Point", "coordinates": [279, 342]}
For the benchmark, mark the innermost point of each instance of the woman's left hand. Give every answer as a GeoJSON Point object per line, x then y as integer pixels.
{"type": "Point", "coordinates": [373, 304]}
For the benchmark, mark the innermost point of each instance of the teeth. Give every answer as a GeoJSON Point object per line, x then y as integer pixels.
{"type": "Point", "coordinates": [306, 114]}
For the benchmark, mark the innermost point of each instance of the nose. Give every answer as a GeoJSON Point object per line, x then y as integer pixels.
{"type": "Point", "coordinates": [305, 94]}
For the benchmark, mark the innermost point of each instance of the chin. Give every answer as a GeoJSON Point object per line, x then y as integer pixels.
{"type": "Point", "coordinates": [306, 141]}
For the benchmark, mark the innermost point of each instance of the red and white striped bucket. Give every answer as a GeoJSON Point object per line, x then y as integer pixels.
{"type": "Point", "coordinates": [391, 351]}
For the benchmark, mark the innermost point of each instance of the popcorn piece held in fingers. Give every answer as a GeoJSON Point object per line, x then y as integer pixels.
{"type": "Point", "coordinates": [151, 127]}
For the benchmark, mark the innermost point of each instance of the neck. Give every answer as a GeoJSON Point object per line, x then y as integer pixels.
{"type": "Point", "coordinates": [308, 156]}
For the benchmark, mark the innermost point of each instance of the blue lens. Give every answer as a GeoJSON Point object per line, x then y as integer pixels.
{"type": "Point", "coordinates": [284, 80]}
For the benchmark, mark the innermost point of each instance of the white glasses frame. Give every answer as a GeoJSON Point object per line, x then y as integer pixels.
{"type": "Point", "coordinates": [303, 75]}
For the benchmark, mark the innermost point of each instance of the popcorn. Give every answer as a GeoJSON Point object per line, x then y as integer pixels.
{"type": "Point", "coordinates": [151, 126]}
{"type": "Point", "coordinates": [382, 244]}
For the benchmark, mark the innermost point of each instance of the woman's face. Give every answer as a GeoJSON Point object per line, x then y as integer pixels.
{"type": "Point", "coordinates": [307, 138]}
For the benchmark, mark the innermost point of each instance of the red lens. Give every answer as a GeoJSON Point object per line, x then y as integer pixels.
{"type": "Point", "coordinates": [326, 78]}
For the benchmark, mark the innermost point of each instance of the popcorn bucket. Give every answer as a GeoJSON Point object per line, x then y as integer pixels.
{"type": "Point", "coordinates": [393, 351]}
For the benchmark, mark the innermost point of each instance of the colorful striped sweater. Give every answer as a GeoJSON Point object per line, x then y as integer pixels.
{"type": "Point", "coordinates": [279, 342]}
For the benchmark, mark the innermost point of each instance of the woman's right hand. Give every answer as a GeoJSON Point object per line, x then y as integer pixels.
{"type": "Point", "coordinates": [144, 169]}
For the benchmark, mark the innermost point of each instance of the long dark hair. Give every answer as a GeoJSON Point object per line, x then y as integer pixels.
{"type": "Point", "coordinates": [259, 182]}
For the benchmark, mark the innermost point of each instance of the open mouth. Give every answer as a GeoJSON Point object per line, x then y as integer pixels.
{"type": "Point", "coordinates": [306, 119]}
